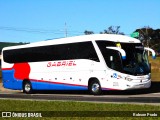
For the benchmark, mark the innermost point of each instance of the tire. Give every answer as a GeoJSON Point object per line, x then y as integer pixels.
{"type": "Point", "coordinates": [27, 87]}
{"type": "Point", "coordinates": [95, 87]}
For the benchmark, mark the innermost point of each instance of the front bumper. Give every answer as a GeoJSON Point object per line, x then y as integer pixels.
{"type": "Point", "coordinates": [138, 85]}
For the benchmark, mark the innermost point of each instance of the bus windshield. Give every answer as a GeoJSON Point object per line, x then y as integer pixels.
{"type": "Point", "coordinates": [136, 62]}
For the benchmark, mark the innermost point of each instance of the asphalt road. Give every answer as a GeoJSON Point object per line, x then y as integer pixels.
{"type": "Point", "coordinates": [145, 96]}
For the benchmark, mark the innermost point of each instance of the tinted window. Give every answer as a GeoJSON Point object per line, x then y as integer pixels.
{"type": "Point", "coordinates": [116, 64]}
{"type": "Point", "coordinates": [81, 50]}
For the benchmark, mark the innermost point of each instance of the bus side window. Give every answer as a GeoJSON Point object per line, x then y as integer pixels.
{"type": "Point", "coordinates": [116, 63]}
{"type": "Point", "coordinates": [113, 59]}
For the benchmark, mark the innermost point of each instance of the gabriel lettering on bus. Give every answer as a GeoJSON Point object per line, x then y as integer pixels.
{"type": "Point", "coordinates": [61, 63]}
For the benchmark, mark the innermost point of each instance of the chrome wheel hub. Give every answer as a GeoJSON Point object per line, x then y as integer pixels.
{"type": "Point", "coordinates": [95, 87]}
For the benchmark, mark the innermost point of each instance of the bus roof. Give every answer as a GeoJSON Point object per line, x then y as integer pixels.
{"type": "Point", "coordinates": [82, 38]}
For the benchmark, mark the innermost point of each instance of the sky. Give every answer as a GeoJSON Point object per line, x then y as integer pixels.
{"type": "Point", "coordinates": [37, 20]}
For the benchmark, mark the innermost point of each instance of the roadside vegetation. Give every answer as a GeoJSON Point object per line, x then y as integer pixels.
{"type": "Point", "coordinates": [55, 106]}
{"type": "Point", "coordinates": [155, 69]}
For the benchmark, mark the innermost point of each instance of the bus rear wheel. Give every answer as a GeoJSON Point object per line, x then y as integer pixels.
{"type": "Point", "coordinates": [27, 87]}
{"type": "Point", "coordinates": [95, 87]}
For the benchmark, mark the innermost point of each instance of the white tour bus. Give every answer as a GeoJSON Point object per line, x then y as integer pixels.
{"type": "Point", "coordinates": [89, 62]}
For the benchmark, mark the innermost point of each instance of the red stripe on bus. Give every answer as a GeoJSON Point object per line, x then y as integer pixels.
{"type": "Point", "coordinates": [7, 68]}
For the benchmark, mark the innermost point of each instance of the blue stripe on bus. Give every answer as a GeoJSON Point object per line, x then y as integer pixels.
{"type": "Point", "coordinates": [53, 86]}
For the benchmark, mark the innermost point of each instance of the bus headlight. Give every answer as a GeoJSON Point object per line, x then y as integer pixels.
{"type": "Point", "coordinates": [128, 79]}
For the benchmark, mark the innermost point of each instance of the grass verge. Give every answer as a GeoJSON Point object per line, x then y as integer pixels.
{"type": "Point", "coordinates": [21, 105]}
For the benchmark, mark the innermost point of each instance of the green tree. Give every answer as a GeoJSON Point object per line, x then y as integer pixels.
{"type": "Point", "coordinates": [149, 37]}
{"type": "Point", "coordinates": [86, 32]}
{"type": "Point", "coordinates": [112, 30]}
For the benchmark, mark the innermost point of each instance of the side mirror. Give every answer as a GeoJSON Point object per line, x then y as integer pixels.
{"type": "Point", "coordinates": [151, 50]}
{"type": "Point", "coordinates": [123, 53]}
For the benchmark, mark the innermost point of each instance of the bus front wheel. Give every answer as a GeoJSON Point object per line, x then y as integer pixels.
{"type": "Point", "coordinates": [27, 87]}
{"type": "Point", "coordinates": [95, 87]}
